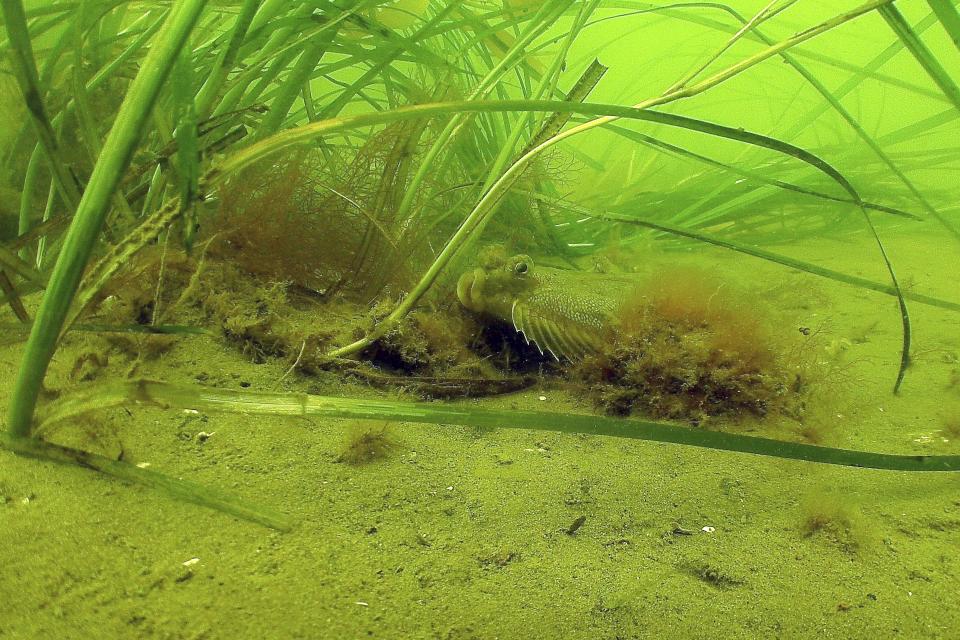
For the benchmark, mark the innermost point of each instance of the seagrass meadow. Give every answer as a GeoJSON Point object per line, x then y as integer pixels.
{"type": "Point", "coordinates": [479, 319]}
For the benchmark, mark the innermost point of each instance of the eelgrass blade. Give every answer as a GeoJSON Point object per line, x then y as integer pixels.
{"type": "Point", "coordinates": [301, 404]}
{"type": "Point", "coordinates": [949, 18]}
{"type": "Point", "coordinates": [578, 93]}
{"type": "Point", "coordinates": [37, 232]}
{"type": "Point", "coordinates": [386, 58]}
{"type": "Point", "coordinates": [175, 487]}
{"type": "Point", "coordinates": [752, 175]}
{"type": "Point", "coordinates": [25, 70]}
{"type": "Point", "coordinates": [921, 53]}
{"type": "Point", "coordinates": [12, 262]}
{"type": "Point", "coordinates": [293, 83]}
{"type": "Point", "coordinates": [918, 128]}
{"type": "Point", "coordinates": [91, 211]}
{"type": "Point", "coordinates": [553, 123]}
{"type": "Point", "coordinates": [187, 142]}
{"type": "Point", "coordinates": [12, 298]}
{"type": "Point", "coordinates": [550, 127]}
{"type": "Point", "coordinates": [26, 197]}
{"type": "Point", "coordinates": [548, 12]}
{"type": "Point", "coordinates": [226, 59]}
{"type": "Point", "coordinates": [769, 256]}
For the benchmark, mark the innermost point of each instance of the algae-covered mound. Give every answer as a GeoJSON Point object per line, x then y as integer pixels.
{"type": "Point", "coordinates": [277, 317]}
{"type": "Point", "coordinates": [689, 347]}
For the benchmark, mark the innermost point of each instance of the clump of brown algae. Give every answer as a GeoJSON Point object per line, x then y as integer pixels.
{"type": "Point", "coordinates": [687, 346]}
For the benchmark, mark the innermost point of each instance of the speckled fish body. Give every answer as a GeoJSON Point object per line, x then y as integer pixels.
{"type": "Point", "coordinates": [566, 313]}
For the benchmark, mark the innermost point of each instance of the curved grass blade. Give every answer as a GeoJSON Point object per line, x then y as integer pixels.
{"type": "Point", "coordinates": [752, 175]}
{"type": "Point", "coordinates": [301, 135]}
{"type": "Point", "coordinates": [785, 261]}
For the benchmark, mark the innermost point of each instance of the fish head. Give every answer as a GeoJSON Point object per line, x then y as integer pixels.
{"type": "Point", "coordinates": [493, 288]}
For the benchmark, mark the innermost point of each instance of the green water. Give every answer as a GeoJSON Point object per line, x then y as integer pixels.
{"type": "Point", "coordinates": [286, 225]}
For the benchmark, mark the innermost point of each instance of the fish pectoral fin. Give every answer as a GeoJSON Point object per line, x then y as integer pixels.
{"type": "Point", "coordinates": [561, 341]}
{"type": "Point", "coordinates": [586, 341]}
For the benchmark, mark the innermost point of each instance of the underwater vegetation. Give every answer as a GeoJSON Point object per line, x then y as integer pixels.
{"type": "Point", "coordinates": [367, 443]}
{"type": "Point", "coordinates": [675, 344]}
{"type": "Point", "coordinates": [422, 198]}
{"type": "Point", "coordinates": [836, 520]}
{"type": "Point", "coordinates": [628, 318]}
{"type": "Point", "coordinates": [691, 350]}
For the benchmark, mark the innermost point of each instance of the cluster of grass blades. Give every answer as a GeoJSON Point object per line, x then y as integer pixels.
{"type": "Point", "coordinates": [204, 91]}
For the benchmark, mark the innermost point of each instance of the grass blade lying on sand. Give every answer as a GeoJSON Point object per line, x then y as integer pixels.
{"type": "Point", "coordinates": [174, 487]}
{"type": "Point", "coordinates": [301, 404]}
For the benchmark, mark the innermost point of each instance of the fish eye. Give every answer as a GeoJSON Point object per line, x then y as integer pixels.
{"type": "Point", "coordinates": [521, 267]}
